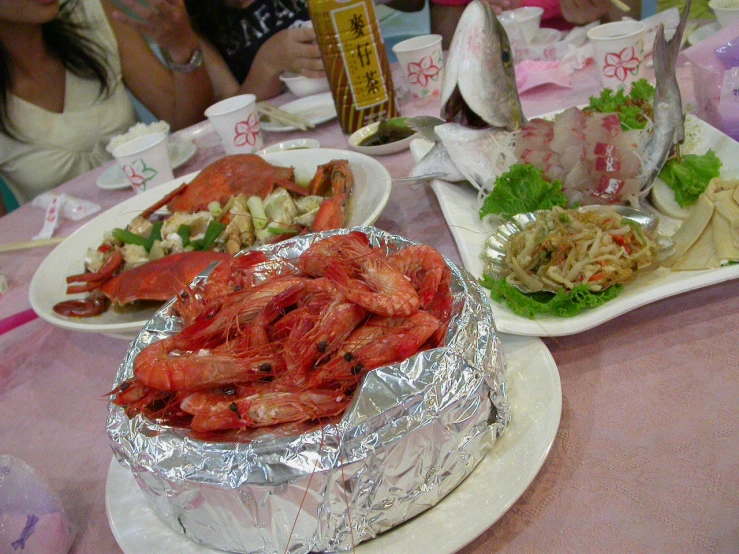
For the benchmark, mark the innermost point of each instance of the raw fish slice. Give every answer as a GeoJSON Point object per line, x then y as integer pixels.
{"type": "Point", "coordinates": [601, 127]}
{"type": "Point", "coordinates": [539, 158]}
{"type": "Point", "coordinates": [568, 129]}
{"type": "Point", "coordinates": [554, 171]}
{"type": "Point", "coordinates": [578, 178]}
{"type": "Point", "coordinates": [573, 154]}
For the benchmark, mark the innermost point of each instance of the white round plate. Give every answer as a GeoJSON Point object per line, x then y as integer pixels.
{"type": "Point", "coordinates": [372, 186]}
{"type": "Point", "coordinates": [381, 150]}
{"type": "Point", "coordinates": [460, 208]}
{"type": "Point", "coordinates": [702, 33]}
{"type": "Point", "coordinates": [113, 178]}
{"type": "Point", "coordinates": [294, 144]}
{"type": "Point", "coordinates": [478, 502]}
{"type": "Point", "coordinates": [315, 109]}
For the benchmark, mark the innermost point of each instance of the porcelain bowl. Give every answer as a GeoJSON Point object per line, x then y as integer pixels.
{"type": "Point", "coordinates": [524, 20]}
{"type": "Point", "coordinates": [300, 85]}
{"type": "Point", "coordinates": [727, 11]}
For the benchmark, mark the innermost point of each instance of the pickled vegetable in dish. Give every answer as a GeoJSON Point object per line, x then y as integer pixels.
{"type": "Point", "coordinates": [388, 131]}
{"type": "Point", "coordinates": [562, 249]}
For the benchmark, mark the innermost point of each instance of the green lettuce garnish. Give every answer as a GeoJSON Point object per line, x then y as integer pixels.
{"type": "Point", "coordinates": [690, 176]}
{"type": "Point", "coordinates": [522, 189]}
{"type": "Point", "coordinates": [634, 108]}
{"type": "Point", "coordinates": [560, 304]}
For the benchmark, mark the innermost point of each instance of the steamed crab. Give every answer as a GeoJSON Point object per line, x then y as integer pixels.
{"type": "Point", "coordinates": [234, 203]}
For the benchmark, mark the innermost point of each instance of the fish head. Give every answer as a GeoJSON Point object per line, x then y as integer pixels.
{"type": "Point", "coordinates": [479, 84]}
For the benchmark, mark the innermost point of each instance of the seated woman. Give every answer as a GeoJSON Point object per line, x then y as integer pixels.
{"type": "Point", "coordinates": [248, 44]}
{"type": "Point", "coordinates": [63, 67]}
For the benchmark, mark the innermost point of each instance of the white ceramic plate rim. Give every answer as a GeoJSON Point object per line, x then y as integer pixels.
{"type": "Point", "coordinates": [468, 511]}
{"type": "Point", "coordinates": [299, 107]}
{"type": "Point", "coordinates": [459, 206]}
{"type": "Point", "coordinates": [293, 144]}
{"type": "Point", "coordinates": [381, 150]}
{"type": "Point", "coordinates": [113, 178]}
{"type": "Point", "coordinates": [48, 283]}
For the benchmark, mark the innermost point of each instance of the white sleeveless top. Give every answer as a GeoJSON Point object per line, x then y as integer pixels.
{"type": "Point", "coordinates": [60, 146]}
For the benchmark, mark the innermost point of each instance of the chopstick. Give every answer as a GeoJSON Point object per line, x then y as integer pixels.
{"type": "Point", "coordinates": [621, 6]}
{"type": "Point", "coordinates": [284, 117]}
{"type": "Point", "coordinates": [15, 321]}
{"type": "Point", "coordinates": [13, 246]}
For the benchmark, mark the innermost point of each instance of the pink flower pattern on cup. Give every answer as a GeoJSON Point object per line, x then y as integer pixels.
{"type": "Point", "coordinates": [422, 72]}
{"type": "Point", "coordinates": [138, 174]}
{"type": "Point", "coordinates": [621, 64]}
{"type": "Point", "coordinates": [247, 131]}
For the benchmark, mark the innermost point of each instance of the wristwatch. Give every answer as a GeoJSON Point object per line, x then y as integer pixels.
{"type": "Point", "coordinates": [196, 60]}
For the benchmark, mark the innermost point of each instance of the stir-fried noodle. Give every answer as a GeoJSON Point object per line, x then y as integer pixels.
{"type": "Point", "coordinates": [567, 248]}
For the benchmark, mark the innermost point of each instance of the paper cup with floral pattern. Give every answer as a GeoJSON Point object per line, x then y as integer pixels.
{"type": "Point", "coordinates": [422, 63]}
{"type": "Point", "coordinates": [236, 121]}
{"type": "Point", "coordinates": [145, 161]}
{"type": "Point", "coordinates": [619, 52]}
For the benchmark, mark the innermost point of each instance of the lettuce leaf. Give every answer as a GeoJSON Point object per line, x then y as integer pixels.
{"type": "Point", "coordinates": [690, 176]}
{"type": "Point", "coordinates": [634, 108]}
{"type": "Point", "coordinates": [559, 304]}
{"type": "Point", "coordinates": [522, 189]}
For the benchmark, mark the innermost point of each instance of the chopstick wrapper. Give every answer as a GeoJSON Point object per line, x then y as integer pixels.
{"type": "Point", "coordinates": [413, 432]}
{"type": "Point", "coordinates": [57, 205]}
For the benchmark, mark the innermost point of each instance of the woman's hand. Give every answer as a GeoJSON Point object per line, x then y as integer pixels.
{"type": "Point", "coordinates": [293, 50]}
{"type": "Point", "coordinates": [580, 12]}
{"type": "Point", "coordinates": [166, 22]}
{"type": "Point", "coordinates": [500, 5]}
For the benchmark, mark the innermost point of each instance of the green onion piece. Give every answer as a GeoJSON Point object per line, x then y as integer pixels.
{"type": "Point", "coordinates": [213, 231]}
{"type": "Point", "coordinates": [256, 209]}
{"type": "Point", "coordinates": [184, 231]}
{"type": "Point", "coordinates": [156, 234]}
{"type": "Point", "coordinates": [127, 237]}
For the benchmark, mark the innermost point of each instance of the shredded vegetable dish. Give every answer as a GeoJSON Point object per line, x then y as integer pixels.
{"type": "Point", "coordinates": [566, 248]}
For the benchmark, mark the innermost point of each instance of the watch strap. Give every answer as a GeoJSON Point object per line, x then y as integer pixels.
{"type": "Point", "coordinates": [196, 60]}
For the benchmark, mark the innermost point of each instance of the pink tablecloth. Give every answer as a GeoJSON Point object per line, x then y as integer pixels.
{"type": "Point", "coordinates": [646, 455]}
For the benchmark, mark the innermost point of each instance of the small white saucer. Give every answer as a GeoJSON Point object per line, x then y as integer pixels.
{"type": "Point", "coordinates": [381, 150]}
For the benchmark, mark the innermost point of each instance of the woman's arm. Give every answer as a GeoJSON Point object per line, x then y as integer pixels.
{"type": "Point", "coordinates": [581, 12]}
{"type": "Point", "coordinates": [180, 98]}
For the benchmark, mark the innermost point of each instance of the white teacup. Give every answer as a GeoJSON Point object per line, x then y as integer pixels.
{"type": "Point", "coordinates": [619, 52]}
{"type": "Point", "coordinates": [726, 11]}
{"type": "Point", "coordinates": [236, 121]}
{"type": "Point", "coordinates": [522, 23]}
{"type": "Point", "coordinates": [422, 64]}
{"type": "Point", "coordinates": [145, 161]}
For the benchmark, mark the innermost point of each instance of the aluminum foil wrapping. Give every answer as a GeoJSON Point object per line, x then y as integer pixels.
{"type": "Point", "coordinates": [412, 433]}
